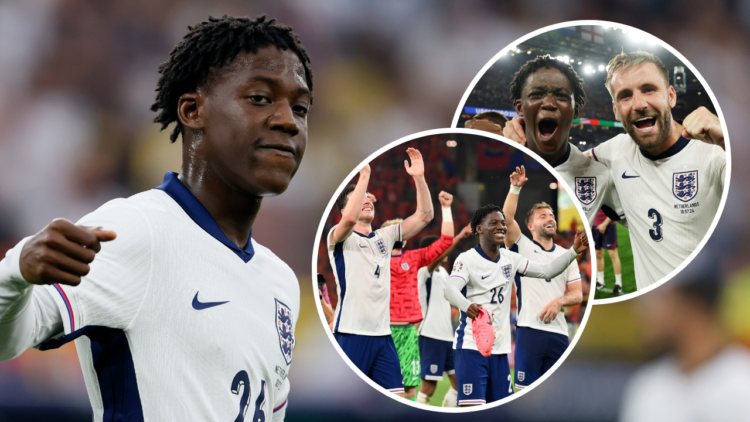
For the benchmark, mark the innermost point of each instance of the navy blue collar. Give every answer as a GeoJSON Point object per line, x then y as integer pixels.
{"type": "Point", "coordinates": [673, 150]}
{"type": "Point", "coordinates": [484, 255]}
{"type": "Point", "coordinates": [369, 236]}
{"type": "Point", "coordinates": [195, 210]}
{"type": "Point", "coordinates": [540, 245]}
{"type": "Point", "coordinates": [564, 158]}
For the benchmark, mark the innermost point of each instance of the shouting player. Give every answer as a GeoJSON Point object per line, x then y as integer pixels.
{"type": "Point", "coordinates": [670, 185]}
{"type": "Point", "coordinates": [481, 278]}
{"type": "Point", "coordinates": [541, 330]}
{"type": "Point", "coordinates": [436, 329]}
{"type": "Point", "coordinates": [361, 261]}
{"type": "Point", "coordinates": [154, 311]}
{"type": "Point", "coordinates": [548, 94]}
{"type": "Point", "coordinates": [405, 306]}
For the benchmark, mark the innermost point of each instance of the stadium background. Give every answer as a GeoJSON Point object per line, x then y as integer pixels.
{"type": "Point", "coordinates": [588, 48]}
{"type": "Point", "coordinates": [476, 171]}
{"type": "Point", "coordinates": [77, 78]}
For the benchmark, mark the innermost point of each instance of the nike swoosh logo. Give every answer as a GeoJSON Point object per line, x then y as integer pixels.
{"type": "Point", "coordinates": [628, 177]}
{"type": "Point", "coordinates": [204, 305]}
{"type": "Point", "coordinates": [535, 251]}
{"type": "Point", "coordinates": [363, 246]}
{"type": "Point", "coordinates": [484, 276]}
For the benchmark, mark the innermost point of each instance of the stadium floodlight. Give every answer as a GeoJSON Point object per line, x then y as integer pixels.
{"type": "Point", "coordinates": [528, 52]}
{"type": "Point", "coordinates": [451, 144]}
{"type": "Point", "coordinates": [580, 63]}
{"type": "Point", "coordinates": [553, 185]}
{"type": "Point", "coordinates": [566, 59]}
{"type": "Point", "coordinates": [601, 67]}
{"type": "Point", "coordinates": [588, 69]}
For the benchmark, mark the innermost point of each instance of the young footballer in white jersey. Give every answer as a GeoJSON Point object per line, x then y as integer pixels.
{"type": "Point", "coordinates": [541, 329]}
{"type": "Point", "coordinates": [181, 315]}
{"type": "Point", "coordinates": [436, 328]}
{"type": "Point", "coordinates": [547, 94]}
{"type": "Point", "coordinates": [670, 176]}
{"type": "Point", "coordinates": [360, 258]}
{"type": "Point", "coordinates": [482, 277]}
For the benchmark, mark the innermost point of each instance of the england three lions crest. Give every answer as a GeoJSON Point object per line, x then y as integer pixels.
{"type": "Point", "coordinates": [685, 185]}
{"type": "Point", "coordinates": [381, 246]}
{"type": "Point", "coordinates": [586, 189]}
{"type": "Point", "coordinates": [285, 328]}
{"type": "Point", "coordinates": [506, 271]}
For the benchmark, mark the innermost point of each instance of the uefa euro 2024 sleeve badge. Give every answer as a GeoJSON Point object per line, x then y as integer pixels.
{"type": "Point", "coordinates": [685, 185]}
{"type": "Point", "coordinates": [586, 189]}
{"type": "Point", "coordinates": [285, 328]}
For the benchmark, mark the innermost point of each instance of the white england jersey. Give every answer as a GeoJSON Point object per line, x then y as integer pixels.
{"type": "Point", "coordinates": [437, 322]}
{"type": "Point", "coordinates": [362, 266]}
{"type": "Point", "coordinates": [534, 293]}
{"type": "Point", "coordinates": [487, 283]}
{"type": "Point", "coordinates": [591, 183]}
{"type": "Point", "coordinates": [174, 321]}
{"type": "Point", "coordinates": [670, 200]}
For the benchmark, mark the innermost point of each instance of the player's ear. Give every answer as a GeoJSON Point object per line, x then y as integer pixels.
{"type": "Point", "coordinates": [575, 113]}
{"type": "Point", "coordinates": [190, 110]}
{"type": "Point", "coordinates": [517, 105]}
{"type": "Point", "coordinates": [672, 97]}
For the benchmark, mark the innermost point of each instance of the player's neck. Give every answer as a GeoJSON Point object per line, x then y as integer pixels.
{"type": "Point", "coordinates": [675, 132]}
{"type": "Point", "coordinates": [491, 249]}
{"type": "Point", "coordinates": [546, 242]}
{"type": "Point", "coordinates": [363, 228]}
{"type": "Point", "coordinates": [550, 157]}
{"type": "Point", "coordinates": [233, 211]}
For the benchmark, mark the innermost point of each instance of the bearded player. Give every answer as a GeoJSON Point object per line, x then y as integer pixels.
{"type": "Point", "coordinates": [360, 257]}
{"type": "Point", "coordinates": [482, 278]}
{"type": "Point", "coordinates": [405, 305]}
{"type": "Point", "coordinates": [670, 176]}
{"type": "Point", "coordinates": [547, 95]}
{"type": "Point", "coordinates": [541, 330]}
{"type": "Point", "coordinates": [152, 287]}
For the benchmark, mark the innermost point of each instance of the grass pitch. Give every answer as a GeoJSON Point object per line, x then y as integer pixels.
{"type": "Point", "coordinates": [626, 259]}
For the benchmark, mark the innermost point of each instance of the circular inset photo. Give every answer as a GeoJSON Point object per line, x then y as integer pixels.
{"type": "Point", "coordinates": [630, 125]}
{"type": "Point", "coordinates": [453, 270]}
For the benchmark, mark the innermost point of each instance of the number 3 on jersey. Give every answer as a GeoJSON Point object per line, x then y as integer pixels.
{"type": "Point", "coordinates": [241, 381]}
{"type": "Point", "coordinates": [656, 231]}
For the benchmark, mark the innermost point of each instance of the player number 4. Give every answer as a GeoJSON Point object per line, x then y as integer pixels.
{"type": "Point", "coordinates": [377, 272]}
{"type": "Point", "coordinates": [241, 381]}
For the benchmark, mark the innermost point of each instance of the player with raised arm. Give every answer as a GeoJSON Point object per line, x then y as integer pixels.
{"type": "Point", "coordinates": [547, 95]}
{"type": "Point", "coordinates": [481, 278]}
{"type": "Point", "coordinates": [152, 287]}
{"type": "Point", "coordinates": [405, 304]}
{"type": "Point", "coordinates": [436, 329]}
{"type": "Point", "coordinates": [541, 330]}
{"type": "Point", "coordinates": [360, 258]}
{"type": "Point", "coordinates": [670, 185]}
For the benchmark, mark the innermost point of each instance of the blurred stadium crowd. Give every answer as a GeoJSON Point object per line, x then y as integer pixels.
{"type": "Point", "coordinates": [77, 78]}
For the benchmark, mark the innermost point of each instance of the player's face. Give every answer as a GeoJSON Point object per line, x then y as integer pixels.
{"type": "Point", "coordinates": [367, 214]}
{"type": "Point", "coordinates": [543, 223]}
{"type": "Point", "coordinates": [642, 102]}
{"type": "Point", "coordinates": [493, 228]}
{"type": "Point", "coordinates": [548, 108]}
{"type": "Point", "coordinates": [255, 122]}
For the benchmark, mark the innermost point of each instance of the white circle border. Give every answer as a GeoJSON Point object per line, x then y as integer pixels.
{"type": "Point", "coordinates": [318, 235]}
{"type": "Point", "coordinates": [661, 43]}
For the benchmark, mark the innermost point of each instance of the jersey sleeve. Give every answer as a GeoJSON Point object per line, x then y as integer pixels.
{"type": "Point", "coordinates": [572, 275]}
{"type": "Point", "coordinates": [430, 253]}
{"type": "Point", "coordinates": [111, 294]}
{"type": "Point", "coordinates": [605, 152]}
{"type": "Point", "coordinates": [461, 270]}
{"type": "Point", "coordinates": [422, 276]}
{"type": "Point", "coordinates": [520, 263]}
{"type": "Point", "coordinates": [390, 235]}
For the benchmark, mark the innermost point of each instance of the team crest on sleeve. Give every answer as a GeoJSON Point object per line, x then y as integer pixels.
{"type": "Point", "coordinates": [506, 271]}
{"type": "Point", "coordinates": [685, 185]}
{"type": "Point", "coordinates": [381, 246]}
{"type": "Point", "coordinates": [586, 189]}
{"type": "Point", "coordinates": [285, 328]}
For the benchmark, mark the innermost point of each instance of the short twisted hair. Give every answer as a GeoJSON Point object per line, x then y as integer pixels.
{"type": "Point", "coordinates": [482, 212]}
{"type": "Point", "coordinates": [212, 45]}
{"type": "Point", "coordinates": [547, 61]}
